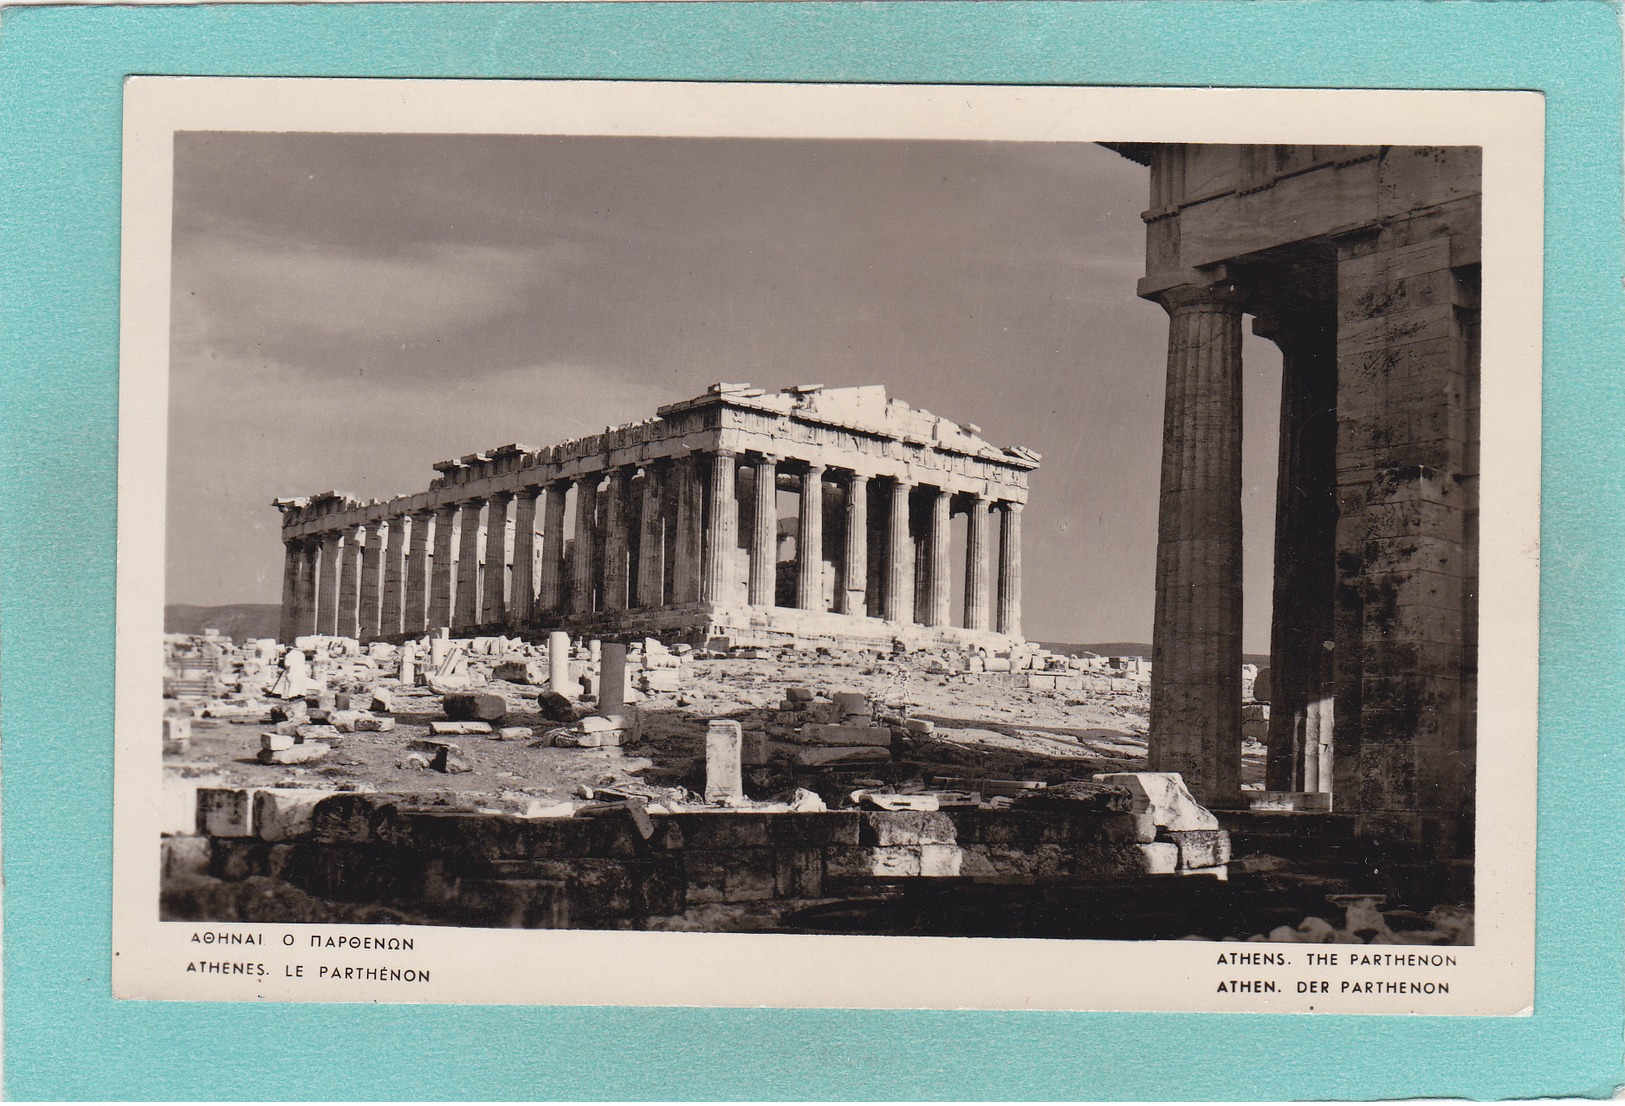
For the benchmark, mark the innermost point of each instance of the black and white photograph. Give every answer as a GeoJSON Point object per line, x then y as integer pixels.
{"type": "Point", "coordinates": [1037, 533]}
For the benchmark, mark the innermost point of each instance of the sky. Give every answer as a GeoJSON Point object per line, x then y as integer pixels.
{"type": "Point", "coordinates": [349, 309]}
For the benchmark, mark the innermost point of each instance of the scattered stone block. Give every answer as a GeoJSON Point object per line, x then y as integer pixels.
{"type": "Point", "coordinates": [276, 742]}
{"type": "Point", "coordinates": [290, 710]}
{"type": "Point", "coordinates": [515, 733]}
{"type": "Point", "coordinates": [521, 672]}
{"type": "Point", "coordinates": [315, 731]}
{"type": "Point", "coordinates": [807, 802]}
{"type": "Point", "coordinates": [374, 723]}
{"type": "Point", "coordinates": [555, 707]}
{"type": "Point", "coordinates": [800, 695]}
{"type": "Point", "coordinates": [724, 762]}
{"type": "Point", "coordinates": [382, 702]}
{"type": "Point", "coordinates": [1165, 796]}
{"type": "Point", "coordinates": [177, 728]}
{"type": "Point", "coordinates": [476, 706]}
{"type": "Point", "coordinates": [1201, 848]}
{"type": "Point", "coordinates": [881, 800]}
{"type": "Point", "coordinates": [459, 729]}
{"type": "Point", "coordinates": [851, 703]}
{"type": "Point", "coordinates": [841, 734]}
{"type": "Point", "coordinates": [920, 726]}
{"type": "Point", "coordinates": [281, 814]}
{"type": "Point", "coordinates": [302, 753]}
{"type": "Point", "coordinates": [344, 721]}
{"type": "Point", "coordinates": [661, 680]}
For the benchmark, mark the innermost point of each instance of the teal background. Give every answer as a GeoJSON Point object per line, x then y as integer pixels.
{"type": "Point", "coordinates": [61, 71]}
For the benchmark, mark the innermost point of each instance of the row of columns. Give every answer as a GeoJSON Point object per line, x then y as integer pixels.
{"type": "Point", "coordinates": [681, 547]}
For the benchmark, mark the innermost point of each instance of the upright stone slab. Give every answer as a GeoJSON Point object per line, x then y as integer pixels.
{"type": "Point", "coordinates": [612, 678]}
{"type": "Point", "coordinates": [724, 762]}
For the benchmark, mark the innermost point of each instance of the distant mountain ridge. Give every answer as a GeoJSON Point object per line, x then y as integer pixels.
{"type": "Point", "coordinates": [238, 621]}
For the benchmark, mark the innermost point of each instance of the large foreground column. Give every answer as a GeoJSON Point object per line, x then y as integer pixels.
{"type": "Point", "coordinates": [585, 551]}
{"type": "Point", "coordinates": [550, 586]}
{"type": "Point", "coordinates": [651, 540]}
{"type": "Point", "coordinates": [855, 570]}
{"type": "Point", "coordinates": [416, 613]}
{"type": "Point", "coordinates": [686, 553]}
{"type": "Point", "coordinates": [305, 596]}
{"type": "Point", "coordinates": [522, 585]}
{"type": "Point", "coordinates": [440, 572]}
{"type": "Point", "coordinates": [350, 583]}
{"type": "Point", "coordinates": [389, 613]}
{"type": "Point", "coordinates": [810, 542]}
{"type": "Point", "coordinates": [936, 581]}
{"type": "Point", "coordinates": [978, 577]}
{"type": "Point", "coordinates": [1196, 642]}
{"type": "Point", "coordinates": [327, 597]}
{"type": "Point", "coordinates": [617, 543]}
{"type": "Point", "coordinates": [764, 534]}
{"type": "Point", "coordinates": [1010, 570]}
{"type": "Point", "coordinates": [494, 610]}
{"type": "Point", "coordinates": [292, 554]}
{"type": "Point", "coordinates": [900, 549]}
{"type": "Point", "coordinates": [467, 612]}
{"type": "Point", "coordinates": [372, 563]}
{"type": "Point", "coordinates": [721, 529]}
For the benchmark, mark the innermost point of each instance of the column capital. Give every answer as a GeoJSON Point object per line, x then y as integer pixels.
{"type": "Point", "coordinates": [1220, 295]}
{"type": "Point", "coordinates": [1010, 506]}
{"type": "Point", "coordinates": [726, 452]}
{"type": "Point", "coordinates": [501, 496]}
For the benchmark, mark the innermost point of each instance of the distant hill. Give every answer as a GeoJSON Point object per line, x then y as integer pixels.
{"type": "Point", "coordinates": [1132, 649]}
{"type": "Point", "coordinates": [238, 621]}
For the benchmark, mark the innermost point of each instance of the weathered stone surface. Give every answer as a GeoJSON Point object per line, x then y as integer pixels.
{"type": "Point", "coordinates": [1164, 796]}
{"type": "Point", "coordinates": [555, 707]}
{"type": "Point", "coordinates": [281, 814]}
{"type": "Point", "coordinates": [300, 754]}
{"type": "Point", "coordinates": [724, 761]}
{"type": "Point", "coordinates": [225, 812]}
{"type": "Point", "coordinates": [836, 734]}
{"type": "Point", "coordinates": [515, 733]}
{"type": "Point", "coordinates": [842, 754]}
{"type": "Point", "coordinates": [479, 706]}
{"type": "Point", "coordinates": [456, 729]}
{"type": "Point", "coordinates": [907, 827]}
{"type": "Point", "coordinates": [1201, 848]}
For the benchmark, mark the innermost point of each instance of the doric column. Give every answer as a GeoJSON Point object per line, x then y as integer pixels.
{"type": "Point", "coordinates": [651, 539]}
{"type": "Point", "coordinates": [494, 608]}
{"type": "Point", "coordinates": [978, 578]}
{"type": "Point", "coordinates": [936, 580]}
{"type": "Point", "coordinates": [327, 597]}
{"type": "Point", "coordinates": [350, 583]}
{"type": "Point", "coordinates": [416, 614]}
{"type": "Point", "coordinates": [855, 574]}
{"type": "Point", "coordinates": [372, 564]}
{"type": "Point", "coordinates": [550, 587]}
{"type": "Point", "coordinates": [900, 554]}
{"type": "Point", "coordinates": [292, 555]}
{"type": "Point", "coordinates": [522, 600]}
{"type": "Point", "coordinates": [389, 607]}
{"type": "Point", "coordinates": [1010, 570]}
{"type": "Point", "coordinates": [467, 611]}
{"type": "Point", "coordinates": [585, 549]}
{"type": "Point", "coordinates": [1196, 637]}
{"type": "Point", "coordinates": [764, 534]}
{"type": "Point", "coordinates": [617, 542]}
{"type": "Point", "coordinates": [441, 571]}
{"type": "Point", "coordinates": [810, 541]}
{"type": "Point", "coordinates": [305, 594]}
{"type": "Point", "coordinates": [690, 538]}
{"type": "Point", "coordinates": [721, 529]}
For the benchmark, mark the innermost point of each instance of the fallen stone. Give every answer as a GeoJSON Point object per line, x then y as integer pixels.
{"type": "Point", "coordinates": [382, 702]}
{"type": "Point", "coordinates": [284, 813]}
{"type": "Point", "coordinates": [800, 695]}
{"type": "Point", "coordinates": [920, 726]}
{"type": "Point", "coordinates": [888, 801]}
{"type": "Point", "coordinates": [841, 734]}
{"type": "Point", "coordinates": [313, 731]}
{"type": "Point", "coordinates": [447, 685]}
{"type": "Point", "coordinates": [836, 754]}
{"type": "Point", "coordinates": [807, 802]}
{"type": "Point", "coordinates": [344, 721]}
{"type": "Point", "coordinates": [177, 729]}
{"type": "Point", "coordinates": [521, 672]}
{"type": "Point", "coordinates": [851, 703]}
{"type": "Point", "coordinates": [450, 762]}
{"type": "Point", "coordinates": [459, 728]}
{"type": "Point", "coordinates": [515, 733]}
{"type": "Point", "coordinates": [276, 742]}
{"type": "Point", "coordinates": [555, 707]}
{"type": "Point", "coordinates": [302, 753]}
{"type": "Point", "coordinates": [374, 723]}
{"type": "Point", "coordinates": [1165, 796]}
{"type": "Point", "coordinates": [475, 706]}
{"type": "Point", "coordinates": [291, 710]}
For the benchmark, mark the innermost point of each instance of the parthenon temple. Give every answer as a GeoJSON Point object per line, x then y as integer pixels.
{"type": "Point", "coordinates": [673, 527]}
{"type": "Point", "coordinates": [1362, 264]}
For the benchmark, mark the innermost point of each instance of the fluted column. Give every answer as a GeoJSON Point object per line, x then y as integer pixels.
{"type": "Point", "coordinates": [292, 554]}
{"type": "Point", "coordinates": [651, 540]}
{"type": "Point", "coordinates": [389, 605]}
{"type": "Point", "coordinates": [721, 529]}
{"type": "Point", "coordinates": [305, 594]}
{"type": "Point", "coordinates": [350, 583]}
{"type": "Point", "coordinates": [585, 550]}
{"type": "Point", "coordinates": [372, 565]}
{"type": "Point", "coordinates": [978, 577]}
{"type": "Point", "coordinates": [494, 606]}
{"type": "Point", "coordinates": [937, 602]}
{"type": "Point", "coordinates": [810, 541]}
{"type": "Point", "coordinates": [687, 552]}
{"type": "Point", "coordinates": [1010, 570]}
{"type": "Point", "coordinates": [1196, 644]}
{"type": "Point", "coordinates": [900, 553]}
{"type": "Point", "coordinates": [855, 570]}
{"type": "Point", "coordinates": [416, 613]}
{"type": "Point", "coordinates": [441, 571]}
{"type": "Point", "coordinates": [522, 585]}
{"type": "Point", "coordinates": [467, 611]}
{"type": "Point", "coordinates": [327, 597]}
{"type": "Point", "coordinates": [617, 542]}
{"type": "Point", "coordinates": [550, 586]}
{"type": "Point", "coordinates": [764, 534]}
